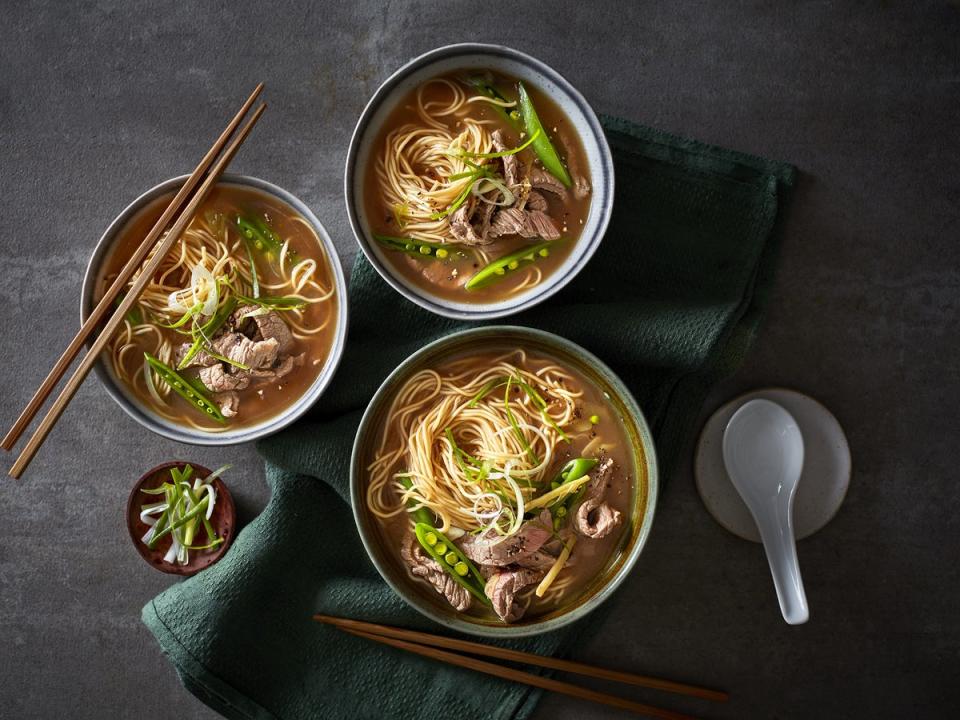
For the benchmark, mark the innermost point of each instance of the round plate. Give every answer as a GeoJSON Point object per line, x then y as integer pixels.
{"type": "Point", "coordinates": [823, 483]}
{"type": "Point", "coordinates": [223, 519]}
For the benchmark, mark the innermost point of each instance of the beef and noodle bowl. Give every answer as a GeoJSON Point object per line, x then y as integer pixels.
{"type": "Point", "coordinates": [239, 319]}
{"type": "Point", "coordinates": [502, 481]}
{"type": "Point", "coordinates": [478, 187]}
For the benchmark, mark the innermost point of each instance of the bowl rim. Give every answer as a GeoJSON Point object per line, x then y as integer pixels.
{"type": "Point", "coordinates": [134, 408]}
{"type": "Point", "coordinates": [559, 344]}
{"type": "Point", "coordinates": [584, 247]}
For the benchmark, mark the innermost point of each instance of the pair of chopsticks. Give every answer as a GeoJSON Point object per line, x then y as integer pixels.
{"type": "Point", "coordinates": [438, 648]}
{"type": "Point", "coordinates": [208, 172]}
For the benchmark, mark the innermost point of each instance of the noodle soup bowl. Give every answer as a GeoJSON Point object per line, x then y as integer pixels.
{"type": "Point", "coordinates": [639, 507]}
{"type": "Point", "coordinates": [134, 406]}
{"type": "Point", "coordinates": [508, 62]}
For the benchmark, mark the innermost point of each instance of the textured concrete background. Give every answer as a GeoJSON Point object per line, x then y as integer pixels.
{"type": "Point", "coordinates": [100, 100]}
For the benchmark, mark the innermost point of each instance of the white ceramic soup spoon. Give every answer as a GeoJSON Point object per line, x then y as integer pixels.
{"type": "Point", "coordinates": [763, 454]}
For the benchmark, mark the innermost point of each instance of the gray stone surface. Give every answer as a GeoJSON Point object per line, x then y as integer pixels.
{"type": "Point", "coordinates": [100, 100]}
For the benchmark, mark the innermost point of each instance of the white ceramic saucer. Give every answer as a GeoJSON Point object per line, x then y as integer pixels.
{"type": "Point", "coordinates": [823, 483]}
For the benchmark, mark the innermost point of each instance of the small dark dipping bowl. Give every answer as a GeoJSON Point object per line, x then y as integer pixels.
{"type": "Point", "coordinates": [224, 521]}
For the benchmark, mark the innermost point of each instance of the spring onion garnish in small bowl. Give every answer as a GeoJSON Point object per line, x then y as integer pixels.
{"type": "Point", "coordinates": [181, 517]}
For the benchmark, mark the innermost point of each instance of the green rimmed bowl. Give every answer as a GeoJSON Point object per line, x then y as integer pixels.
{"type": "Point", "coordinates": [642, 505]}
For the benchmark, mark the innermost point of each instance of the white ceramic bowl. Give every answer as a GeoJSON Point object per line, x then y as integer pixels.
{"type": "Point", "coordinates": [515, 64]}
{"type": "Point", "coordinates": [134, 407]}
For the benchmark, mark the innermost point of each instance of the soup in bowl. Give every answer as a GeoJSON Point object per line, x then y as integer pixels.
{"type": "Point", "coordinates": [241, 327]}
{"type": "Point", "coordinates": [478, 181]}
{"type": "Point", "coordinates": [503, 481]}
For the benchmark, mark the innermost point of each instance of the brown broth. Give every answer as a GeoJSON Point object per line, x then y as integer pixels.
{"type": "Point", "coordinates": [446, 278]}
{"type": "Point", "coordinates": [589, 558]}
{"type": "Point", "coordinates": [260, 401]}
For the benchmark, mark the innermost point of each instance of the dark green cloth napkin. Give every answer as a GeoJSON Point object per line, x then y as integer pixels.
{"type": "Point", "coordinates": [670, 301]}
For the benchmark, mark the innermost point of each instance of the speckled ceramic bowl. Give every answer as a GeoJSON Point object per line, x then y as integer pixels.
{"type": "Point", "coordinates": [144, 415]}
{"type": "Point", "coordinates": [386, 558]}
{"type": "Point", "coordinates": [509, 62]}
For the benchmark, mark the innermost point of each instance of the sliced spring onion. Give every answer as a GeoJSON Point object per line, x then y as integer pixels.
{"type": "Point", "coordinates": [400, 213]}
{"type": "Point", "coordinates": [205, 285]}
{"type": "Point", "coordinates": [254, 280]}
{"type": "Point", "coordinates": [202, 334]}
{"type": "Point", "coordinates": [486, 185]}
{"type": "Point", "coordinates": [274, 303]}
{"type": "Point", "coordinates": [504, 153]}
{"type": "Point", "coordinates": [516, 427]}
{"type": "Point", "coordinates": [184, 514]}
{"type": "Point", "coordinates": [216, 473]}
{"type": "Point", "coordinates": [259, 312]}
{"type": "Point", "coordinates": [151, 509]}
{"type": "Point", "coordinates": [460, 199]}
{"type": "Point", "coordinates": [187, 317]}
{"type": "Point", "coordinates": [204, 291]}
{"type": "Point", "coordinates": [541, 405]}
{"type": "Point", "coordinates": [486, 390]}
{"type": "Point", "coordinates": [209, 545]}
{"type": "Point", "coordinates": [560, 492]}
{"type": "Point", "coordinates": [228, 361]}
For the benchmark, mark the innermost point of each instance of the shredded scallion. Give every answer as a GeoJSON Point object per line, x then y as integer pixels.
{"type": "Point", "coordinates": [185, 511]}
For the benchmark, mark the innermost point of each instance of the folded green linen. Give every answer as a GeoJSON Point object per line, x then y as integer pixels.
{"type": "Point", "coordinates": [671, 301]}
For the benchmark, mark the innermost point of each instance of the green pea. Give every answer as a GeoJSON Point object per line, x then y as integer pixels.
{"type": "Point", "coordinates": [594, 419]}
{"type": "Point", "coordinates": [461, 569]}
{"type": "Point", "coordinates": [424, 250]}
{"type": "Point", "coordinates": [513, 265]}
{"type": "Point", "coordinates": [441, 253]}
{"type": "Point", "coordinates": [451, 558]}
{"type": "Point", "coordinates": [544, 252]}
{"type": "Point", "coordinates": [431, 539]}
{"type": "Point", "coordinates": [440, 548]}
{"type": "Point", "coordinates": [561, 511]}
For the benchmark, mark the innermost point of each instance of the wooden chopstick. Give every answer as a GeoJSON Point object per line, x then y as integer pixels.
{"type": "Point", "coordinates": [520, 676]}
{"type": "Point", "coordinates": [130, 298]}
{"type": "Point", "coordinates": [524, 657]}
{"type": "Point", "coordinates": [98, 313]}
